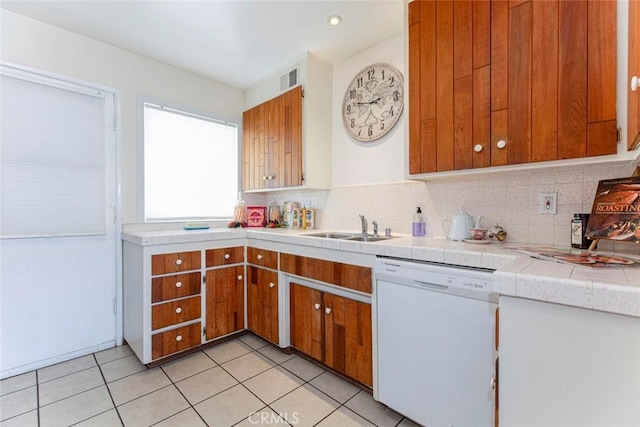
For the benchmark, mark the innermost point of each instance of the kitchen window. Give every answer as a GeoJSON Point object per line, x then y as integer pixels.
{"type": "Point", "coordinates": [190, 166]}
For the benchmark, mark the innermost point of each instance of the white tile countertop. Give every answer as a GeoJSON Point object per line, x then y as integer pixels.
{"type": "Point", "coordinates": [614, 290]}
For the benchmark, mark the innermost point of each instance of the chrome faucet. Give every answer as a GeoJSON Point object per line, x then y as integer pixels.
{"type": "Point", "coordinates": [365, 226]}
{"type": "Point", "coordinates": [375, 228]}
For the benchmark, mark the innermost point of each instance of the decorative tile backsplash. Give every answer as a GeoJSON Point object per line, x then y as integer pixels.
{"type": "Point", "coordinates": [511, 201]}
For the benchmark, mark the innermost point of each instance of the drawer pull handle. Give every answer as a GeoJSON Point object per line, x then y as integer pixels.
{"type": "Point", "coordinates": [179, 338]}
{"type": "Point", "coordinates": [178, 284]}
{"type": "Point", "coordinates": [317, 306]}
{"type": "Point", "coordinates": [327, 310]}
{"type": "Point", "coordinates": [259, 256]}
{"type": "Point", "coordinates": [227, 256]}
{"type": "Point", "coordinates": [271, 285]}
{"type": "Point", "coordinates": [635, 83]}
{"type": "Point", "coordinates": [239, 276]}
{"type": "Point", "coordinates": [178, 261]}
{"type": "Point", "coordinates": [477, 148]}
{"type": "Point", "coordinates": [179, 310]}
{"type": "Point", "coordinates": [501, 144]}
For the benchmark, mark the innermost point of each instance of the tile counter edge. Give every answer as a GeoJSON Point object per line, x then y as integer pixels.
{"type": "Point", "coordinates": [516, 275]}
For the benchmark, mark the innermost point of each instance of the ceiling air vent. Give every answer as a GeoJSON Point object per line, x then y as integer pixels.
{"type": "Point", "coordinates": [288, 80]}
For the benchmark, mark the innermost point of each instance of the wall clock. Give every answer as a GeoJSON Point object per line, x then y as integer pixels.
{"type": "Point", "coordinates": [373, 102]}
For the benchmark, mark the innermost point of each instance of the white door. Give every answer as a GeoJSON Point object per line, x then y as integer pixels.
{"type": "Point", "coordinates": [58, 228]}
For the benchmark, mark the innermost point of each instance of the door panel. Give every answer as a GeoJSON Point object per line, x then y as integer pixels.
{"type": "Point", "coordinates": [59, 294]}
{"type": "Point", "coordinates": [348, 337]}
{"type": "Point", "coordinates": [306, 320]}
{"type": "Point", "coordinates": [225, 301]}
{"type": "Point", "coordinates": [262, 302]}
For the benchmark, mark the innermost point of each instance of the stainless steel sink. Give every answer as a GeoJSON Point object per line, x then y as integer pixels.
{"type": "Point", "coordinates": [330, 235]}
{"type": "Point", "coordinates": [346, 236]}
{"type": "Point", "coordinates": [368, 238]}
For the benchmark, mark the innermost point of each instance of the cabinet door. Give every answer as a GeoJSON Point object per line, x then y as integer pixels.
{"type": "Point", "coordinates": [272, 143]}
{"type": "Point", "coordinates": [253, 148]}
{"type": "Point", "coordinates": [449, 88]}
{"type": "Point", "coordinates": [262, 302]}
{"type": "Point", "coordinates": [633, 107]}
{"type": "Point", "coordinates": [348, 337]}
{"type": "Point", "coordinates": [306, 320]}
{"type": "Point", "coordinates": [561, 81]}
{"type": "Point", "coordinates": [225, 301]}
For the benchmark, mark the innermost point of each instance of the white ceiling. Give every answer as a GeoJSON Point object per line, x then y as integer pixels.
{"type": "Point", "coordinates": [236, 42]}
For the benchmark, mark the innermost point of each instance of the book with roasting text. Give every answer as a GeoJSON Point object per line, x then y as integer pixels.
{"type": "Point", "coordinates": [616, 211]}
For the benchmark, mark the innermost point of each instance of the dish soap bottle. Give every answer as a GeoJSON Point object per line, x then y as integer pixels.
{"type": "Point", "coordinates": [418, 228]}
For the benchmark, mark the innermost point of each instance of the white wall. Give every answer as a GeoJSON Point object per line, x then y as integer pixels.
{"type": "Point", "coordinates": [29, 42]}
{"type": "Point", "coordinates": [361, 163]}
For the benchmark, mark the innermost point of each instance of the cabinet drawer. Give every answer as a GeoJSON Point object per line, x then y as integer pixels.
{"type": "Point", "coordinates": [175, 340]}
{"type": "Point", "coordinates": [177, 286]}
{"type": "Point", "coordinates": [224, 256]}
{"type": "Point", "coordinates": [346, 275]}
{"type": "Point", "coordinates": [262, 258]}
{"type": "Point", "coordinates": [174, 312]}
{"type": "Point", "coordinates": [174, 263]}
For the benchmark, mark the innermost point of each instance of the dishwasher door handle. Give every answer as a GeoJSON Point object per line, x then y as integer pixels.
{"type": "Point", "coordinates": [431, 286]}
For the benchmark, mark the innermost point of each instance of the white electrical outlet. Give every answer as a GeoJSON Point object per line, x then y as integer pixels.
{"type": "Point", "coordinates": [548, 202]}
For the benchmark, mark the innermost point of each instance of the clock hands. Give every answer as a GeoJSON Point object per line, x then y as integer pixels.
{"type": "Point", "coordinates": [375, 101]}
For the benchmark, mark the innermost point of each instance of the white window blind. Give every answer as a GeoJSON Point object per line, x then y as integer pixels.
{"type": "Point", "coordinates": [52, 160]}
{"type": "Point", "coordinates": [190, 166]}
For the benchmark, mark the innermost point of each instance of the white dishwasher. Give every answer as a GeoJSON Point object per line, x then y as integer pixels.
{"type": "Point", "coordinates": [435, 342]}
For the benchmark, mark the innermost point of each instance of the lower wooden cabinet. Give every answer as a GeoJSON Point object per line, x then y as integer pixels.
{"type": "Point", "coordinates": [179, 296]}
{"type": "Point", "coordinates": [225, 301]}
{"type": "Point", "coordinates": [334, 330]}
{"type": "Point", "coordinates": [262, 302]}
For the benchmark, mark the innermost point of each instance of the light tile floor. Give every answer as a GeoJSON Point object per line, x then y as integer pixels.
{"type": "Point", "coordinates": [242, 382]}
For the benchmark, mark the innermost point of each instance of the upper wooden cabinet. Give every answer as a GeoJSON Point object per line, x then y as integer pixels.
{"type": "Point", "coordinates": [633, 110]}
{"type": "Point", "coordinates": [272, 143]}
{"type": "Point", "coordinates": [508, 82]}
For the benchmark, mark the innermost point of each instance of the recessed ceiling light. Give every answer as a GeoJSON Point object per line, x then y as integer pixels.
{"type": "Point", "coordinates": [334, 20]}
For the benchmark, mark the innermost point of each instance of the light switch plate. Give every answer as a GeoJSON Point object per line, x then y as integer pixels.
{"type": "Point", "coordinates": [548, 203]}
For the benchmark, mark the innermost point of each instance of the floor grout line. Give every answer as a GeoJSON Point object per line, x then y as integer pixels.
{"type": "Point", "coordinates": [108, 390]}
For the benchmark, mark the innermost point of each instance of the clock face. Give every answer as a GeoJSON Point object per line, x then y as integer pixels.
{"type": "Point", "coordinates": [373, 102]}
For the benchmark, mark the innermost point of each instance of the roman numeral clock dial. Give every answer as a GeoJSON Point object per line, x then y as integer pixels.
{"type": "Point", "coordinates": [373, 102]}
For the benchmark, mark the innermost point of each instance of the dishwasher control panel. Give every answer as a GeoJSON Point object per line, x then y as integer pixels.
{"type": "Point", "coordinates": [458, 280]}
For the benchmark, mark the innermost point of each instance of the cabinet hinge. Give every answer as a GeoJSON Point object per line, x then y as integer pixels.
{"type": "Point", "coordinates": [618, 134]}
{"type": "Point", "coordinates": [204, 330]}
{"type": "Point", "coordinates": [302, 176]}
{"type": "Point", "coordinates": [302, 92]}
{"type": "Point", "coordinates": [115, 305]}
{"type": "Point", "coordinates": [204, 279]}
